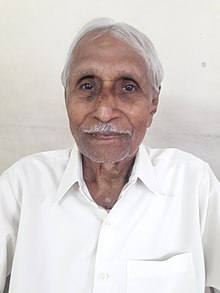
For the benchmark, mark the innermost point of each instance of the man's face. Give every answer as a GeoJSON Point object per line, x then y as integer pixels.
{"type": "Point", "coordinates": [109, 100]}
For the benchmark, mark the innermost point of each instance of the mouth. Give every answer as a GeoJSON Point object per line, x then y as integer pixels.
{"type": "Point", "coordinates": [108, 136]}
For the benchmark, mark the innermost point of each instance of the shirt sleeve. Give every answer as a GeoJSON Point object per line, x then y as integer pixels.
{"type": "Point", "coordinates": [211, 237]}
{"type": "Point", "coordinates": [9, 216]}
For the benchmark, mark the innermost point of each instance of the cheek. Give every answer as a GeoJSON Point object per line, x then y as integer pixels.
{"type": "Point", "coordinates": [140, 116]}
{"type": "Point", "coordinates": [141, 127]}
{"type": "Point", "coordinates": [75, 119]}
{"type": "Point", "coordinates": [140, 122]}
{"type": "Point", "coordinates": [76, 113]}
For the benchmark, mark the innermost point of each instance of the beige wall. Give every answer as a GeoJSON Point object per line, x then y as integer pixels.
{"type": "Point", "coordinates": [35, 35]}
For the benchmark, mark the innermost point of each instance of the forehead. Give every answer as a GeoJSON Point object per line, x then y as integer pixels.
{"type": "Point", "coordinates": [107, 52]}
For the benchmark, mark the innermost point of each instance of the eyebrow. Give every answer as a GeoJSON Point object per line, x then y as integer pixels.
{"type": "Point", "coordinates": [83, 73]}
{"type": "Point", "coordinates": [84, 77]}
{"type": "Point", "coordinates": [91, 73]}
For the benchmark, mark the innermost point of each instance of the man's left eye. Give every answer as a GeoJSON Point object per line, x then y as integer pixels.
{"type": "Point", "coordinates": [129, 88]}
{"type": "Point", "coordinates": [87, 86]}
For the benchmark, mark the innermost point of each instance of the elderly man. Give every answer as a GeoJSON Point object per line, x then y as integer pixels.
{"type": "Point", "coordinates": [110, 216]}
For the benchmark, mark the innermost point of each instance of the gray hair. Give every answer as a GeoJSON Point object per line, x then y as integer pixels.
{"type": "Point", "coordinates": [133, 37]}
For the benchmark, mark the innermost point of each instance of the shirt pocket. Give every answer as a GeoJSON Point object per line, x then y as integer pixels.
{"type": "Point", "coordinates": [173, 275]}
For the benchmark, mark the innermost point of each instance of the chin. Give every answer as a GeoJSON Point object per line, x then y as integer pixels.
{"type": "Point", "coordinates": [106, 156]}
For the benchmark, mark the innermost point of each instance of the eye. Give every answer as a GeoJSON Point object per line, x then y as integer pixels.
{"type": "Point", "coordinates": [129, 88]}
{"type": "Point", "coordinates": [86, 87]}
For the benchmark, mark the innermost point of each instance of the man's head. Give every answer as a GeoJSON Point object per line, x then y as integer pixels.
{"type": "Point", "coordinates": [112, 81]}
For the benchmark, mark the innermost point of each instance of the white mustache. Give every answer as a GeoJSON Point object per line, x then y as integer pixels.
{"type": "Point", "coordinates": [106, 128]}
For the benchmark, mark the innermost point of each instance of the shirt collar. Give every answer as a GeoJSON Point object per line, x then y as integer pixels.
{"type": "Point", "coordinates": [142, 169]}
{"type": "Point", "coordinates": [145, 171]}
{"type": "Point", "coordinates": [72, 174]}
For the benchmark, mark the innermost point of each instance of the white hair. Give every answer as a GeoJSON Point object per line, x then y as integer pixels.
{"type": "Point", "coordinates": [133, 37]}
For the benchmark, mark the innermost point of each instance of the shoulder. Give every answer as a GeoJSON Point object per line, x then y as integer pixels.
{"type": "Point", "coordinates": [176, 165]}
{"type": "Point", "coordinates": [173, 156]}
{"type": "Point", "coordinates": [39, 162]}
{"type": "Point", "coordinates": [177, 171]}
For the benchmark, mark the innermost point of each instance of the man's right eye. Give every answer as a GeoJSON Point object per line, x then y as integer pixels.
{"type": "Point", "coordinates": [86, 86]}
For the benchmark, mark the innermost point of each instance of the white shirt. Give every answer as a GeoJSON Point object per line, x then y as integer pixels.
{"type": "Point", "coordinates": [163, 234]}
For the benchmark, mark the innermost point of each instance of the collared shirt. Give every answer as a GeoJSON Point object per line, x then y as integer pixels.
{"type": "Point", "coordinates": [162, 235]}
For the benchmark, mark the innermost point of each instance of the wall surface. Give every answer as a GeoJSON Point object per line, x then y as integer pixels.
{"type": "Point", "coordinates": [35, 36]}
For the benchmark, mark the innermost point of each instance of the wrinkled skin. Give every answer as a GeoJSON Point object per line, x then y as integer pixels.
{"type": "Point", "coordinates": [110, 105]}
{"type": "Point", "coordinates": [108, 84]}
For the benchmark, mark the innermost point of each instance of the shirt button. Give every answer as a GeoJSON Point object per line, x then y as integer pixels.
{"type": "Point", "coordinates": [103, 276]}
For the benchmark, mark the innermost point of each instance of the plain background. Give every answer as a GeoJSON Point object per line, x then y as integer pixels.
{"type": "Point", "coordinates": [35, 37]}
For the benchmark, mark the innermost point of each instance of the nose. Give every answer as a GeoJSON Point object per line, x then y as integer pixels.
{"type": "Point", "coordinates": [106, 108]}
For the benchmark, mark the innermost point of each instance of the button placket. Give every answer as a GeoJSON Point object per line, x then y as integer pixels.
{"type": "Point", "coordinates": [103, 256]}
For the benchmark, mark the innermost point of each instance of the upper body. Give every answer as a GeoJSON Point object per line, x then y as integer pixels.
{"type": "Point", "coordinates": [112, 82]}
{"type": "Point", "coordinates": [162, 235]}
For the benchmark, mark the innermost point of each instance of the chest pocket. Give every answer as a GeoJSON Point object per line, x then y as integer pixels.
{"type": "Point", "coordinates": [174, 275]}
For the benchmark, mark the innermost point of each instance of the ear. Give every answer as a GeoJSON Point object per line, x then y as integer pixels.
{"type": "Point", "coordinates": [153, 106]}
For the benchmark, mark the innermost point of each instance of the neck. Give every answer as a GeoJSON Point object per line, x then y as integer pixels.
{"type": "Point", "coordinates": [105, 181]}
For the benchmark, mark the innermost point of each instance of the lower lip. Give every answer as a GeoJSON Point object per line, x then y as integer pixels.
{"type": "Point", "coordinates": [108, 137]}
